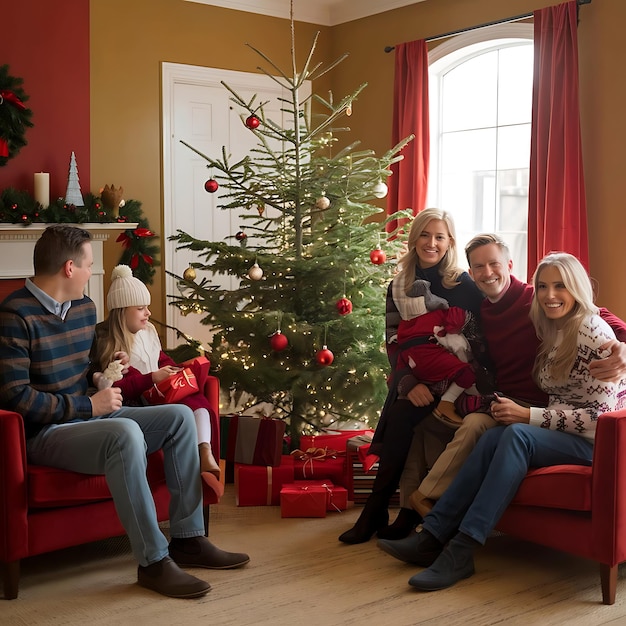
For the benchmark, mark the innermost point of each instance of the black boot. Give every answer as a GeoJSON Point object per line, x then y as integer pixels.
{"type": "Point", "coordinates": [370, 521]}
{"type": "Point", "coordinates": [406, 521]}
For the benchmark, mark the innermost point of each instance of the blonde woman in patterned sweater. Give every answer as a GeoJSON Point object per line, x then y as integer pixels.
{"type": "Point", "coordinates": [571, 334]}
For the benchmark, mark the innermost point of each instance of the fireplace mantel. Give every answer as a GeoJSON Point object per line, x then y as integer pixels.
{"type": "Point", "coordinates": [17, 243]}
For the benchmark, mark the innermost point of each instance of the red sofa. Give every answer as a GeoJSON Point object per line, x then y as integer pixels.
{"type": "Point", "coordinates": [580, 510]}
{"type": "Point", "coordinates": [44, 509]}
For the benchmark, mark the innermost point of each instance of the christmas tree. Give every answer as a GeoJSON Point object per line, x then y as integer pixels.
{"type": "Point", "coordinates": [303, 329]}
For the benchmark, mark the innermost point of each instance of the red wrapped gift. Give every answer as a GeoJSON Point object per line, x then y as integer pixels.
{"type": "Point", "coordinates": [361, 444]}
{"type": "Point", "coordinates": [172, 389]}
{"type": "Point", "coordinates": [200, 366]}
{"type": "Point", "coordinates": [337, 496]}
{"type": "Point", "coordinates": [303, 501]}
{"type": "Point", "coordinates": [335, 439]}
{"type": "Point", "coordinates": [320, 463]}
{"type": "Point", "coordinates": [257, 485]}
{"type": "Point", "coordinates": [255, 440]}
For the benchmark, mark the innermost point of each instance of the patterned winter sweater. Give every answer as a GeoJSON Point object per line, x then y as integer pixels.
{"type": "Point", "coordinates": [575, 404]}
{"type": "Point", "coordinates": [44, 360]}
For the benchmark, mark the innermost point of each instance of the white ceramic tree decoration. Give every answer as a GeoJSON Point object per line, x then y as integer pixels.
{"type": "Point", "coordinates": [73, 194]}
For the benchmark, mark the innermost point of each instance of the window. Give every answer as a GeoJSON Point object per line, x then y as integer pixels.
{"type": "Point", "coordinates": [480, 88]}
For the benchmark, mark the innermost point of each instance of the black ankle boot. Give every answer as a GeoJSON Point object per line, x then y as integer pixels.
{"type": "Point", "coordinates": [406, 521]}
{"type": "Point", "coordinates": [368, 523]}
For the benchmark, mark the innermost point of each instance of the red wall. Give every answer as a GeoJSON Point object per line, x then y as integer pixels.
{"type": "Point", "coordinates": [47, 45]}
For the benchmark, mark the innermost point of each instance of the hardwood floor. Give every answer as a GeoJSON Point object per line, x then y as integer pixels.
{"type": "Point", "coordinates": [301, 575]}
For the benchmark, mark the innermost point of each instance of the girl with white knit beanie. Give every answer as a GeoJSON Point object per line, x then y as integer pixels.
{"type": "Point", "coordinates": [128, 329]}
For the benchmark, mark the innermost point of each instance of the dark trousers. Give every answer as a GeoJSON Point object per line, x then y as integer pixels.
{"type": "Point", "coordinates": [402, 418]}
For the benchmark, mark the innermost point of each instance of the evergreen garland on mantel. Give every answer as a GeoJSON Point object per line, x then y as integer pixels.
{"type": "Point", "coordinates": [140, 251]}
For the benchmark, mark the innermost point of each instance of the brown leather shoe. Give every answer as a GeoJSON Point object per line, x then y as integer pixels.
{"type": "Point", "coordinates": [166, 578]}
{"type": "Point", "coordinates": [446, 413]}
{"type": "Point", "coordinates": [200, 552]}
{"type": "Point", "coordinates": [420, 503]}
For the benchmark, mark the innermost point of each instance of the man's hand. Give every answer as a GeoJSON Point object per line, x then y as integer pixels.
{"type": "Point", "coordinates": [612, 368]}
{"type": "Point", "coordinates": [106, 401]}
{"type": "Point", "coordinates": [420, 395]}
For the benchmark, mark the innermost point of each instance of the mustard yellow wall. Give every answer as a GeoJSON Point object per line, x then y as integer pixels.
{"type": "Point", "coordinates": [130, 38]}
{"type": "Point", "coordinates": [129, 41]}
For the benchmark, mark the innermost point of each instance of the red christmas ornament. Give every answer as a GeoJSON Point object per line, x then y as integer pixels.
{"type": "Point", "coordinates": [378, 256]}
{"type": "Point", "coordinates": [240, 236]}
{"type": "Point", "coordinates": [324, 356]}
{"type": "Point", "coordinates": [24, 217]}
{"type": "Point", "coordinates": [344, 306]}
{"type": "Point", "coordinates": [211, 185]}
{"type": "Point", "coordinates": [278, 341]}
{"type": "Point", "coordinates": [253, 121]}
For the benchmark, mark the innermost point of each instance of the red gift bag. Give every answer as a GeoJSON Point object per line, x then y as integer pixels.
{"type": "Point", "coordinates": [172, 389]}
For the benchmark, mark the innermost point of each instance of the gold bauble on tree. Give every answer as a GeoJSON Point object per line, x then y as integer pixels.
{"type": "Point", "coordinates": [189, 273]}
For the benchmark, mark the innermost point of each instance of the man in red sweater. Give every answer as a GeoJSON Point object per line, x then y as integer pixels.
{"type": "Point", "coordinates": [512, 344]}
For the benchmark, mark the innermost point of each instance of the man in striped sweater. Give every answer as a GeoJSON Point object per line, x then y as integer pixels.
{"type": "Point", "coordinates": [47, 329]}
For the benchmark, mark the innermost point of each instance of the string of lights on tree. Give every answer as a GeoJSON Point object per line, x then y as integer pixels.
{"type": "Point", "coordinates": [303, 328]}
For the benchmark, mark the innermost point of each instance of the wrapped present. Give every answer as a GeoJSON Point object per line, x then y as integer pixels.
{"type": "Point", "coordinates": [360, 481]}
{"type": "Point", "coordinates": [255, 440]}
{"type": "Point", "coordinates": [172, 389]}
{"type": "Point", "coordinates": [303, 500]}
{"type": "Point", "coordinates": [335, 439]}
{"type": "Point", "coordinates": [257, 485]}
{"type": "Point", "coordinates": [320, 464]}
{"type": "Point", "coordinates": [337, 496]}
{"type": "Point", "coordinates": [361, 444]}
{"type": "Point", "coordinates": [200, 366]}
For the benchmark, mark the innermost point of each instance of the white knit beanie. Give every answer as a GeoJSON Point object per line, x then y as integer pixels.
{"type": "Point", "coordinates": [126, 290]}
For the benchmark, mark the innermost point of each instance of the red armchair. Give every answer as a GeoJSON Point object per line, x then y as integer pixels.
{"type": "Point", "coordinates": [580, 510]}
{"type": "Point", "coordinates": [44, 509]}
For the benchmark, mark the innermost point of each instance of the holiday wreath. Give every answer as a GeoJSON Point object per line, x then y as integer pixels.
{"type": "Point", "coordinates": [14, 115]}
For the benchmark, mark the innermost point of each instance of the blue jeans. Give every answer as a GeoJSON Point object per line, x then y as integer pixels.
{"type": "Point", "coordinates": [491, 475]}
{"type": "Point", "coordinates": [117, 446]}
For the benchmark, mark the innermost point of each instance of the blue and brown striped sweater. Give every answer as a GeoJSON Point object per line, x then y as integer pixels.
{"type": "Point", "coordinates": [44, 360]}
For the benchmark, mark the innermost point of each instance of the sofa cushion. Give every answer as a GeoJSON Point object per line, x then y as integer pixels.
{"type": "Point", "coordinates": [50, 487]}
{"type": "Point", "coordinates": [557, 487]}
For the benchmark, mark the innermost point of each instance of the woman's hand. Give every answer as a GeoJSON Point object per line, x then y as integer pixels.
{"type": "Point", "coordinates": [612, 368]}
{"type": "Point", "coordinates": [505, 412]}
{"type": "Point", "coordinates": [420, 395]}
{"type": "Point", "coordinates": [163, 373]}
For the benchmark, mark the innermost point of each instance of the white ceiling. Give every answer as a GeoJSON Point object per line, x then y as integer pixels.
{"type": "Point", "coordinates": [322, 12]}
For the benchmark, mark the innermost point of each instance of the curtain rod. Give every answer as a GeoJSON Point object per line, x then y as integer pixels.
{"type": "Point", "coordinates": [494, 23]}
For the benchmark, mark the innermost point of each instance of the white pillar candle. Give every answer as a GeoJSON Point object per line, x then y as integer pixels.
{"type": "Point", "coordinates": [42, 188]}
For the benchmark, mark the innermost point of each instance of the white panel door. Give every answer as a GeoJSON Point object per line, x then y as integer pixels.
{"type": "Point", "coordinates": [197, 109]}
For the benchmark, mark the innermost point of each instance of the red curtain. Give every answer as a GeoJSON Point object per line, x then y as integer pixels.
{"type": "Point", "coordinates": [409, 182]}
{"type": "Point", "coordinates": [557, 212]}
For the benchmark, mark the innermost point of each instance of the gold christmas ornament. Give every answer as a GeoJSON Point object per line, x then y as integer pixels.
{"type": "Point", "coordinates": [322, 203]}
{"type": "Point", "coordinates": [255, 272]}
{"type": "Point", "coordinates": [261, 209]}
{"type": "Point", "coordinates": [189, 273]}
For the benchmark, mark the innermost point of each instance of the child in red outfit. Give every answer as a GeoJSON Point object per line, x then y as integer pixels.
{"type": "Point", "coordinates": [435, 348]}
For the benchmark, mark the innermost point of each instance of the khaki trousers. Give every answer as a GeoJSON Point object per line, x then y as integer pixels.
{"type": "Point", "coordinates": [437, 453]}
